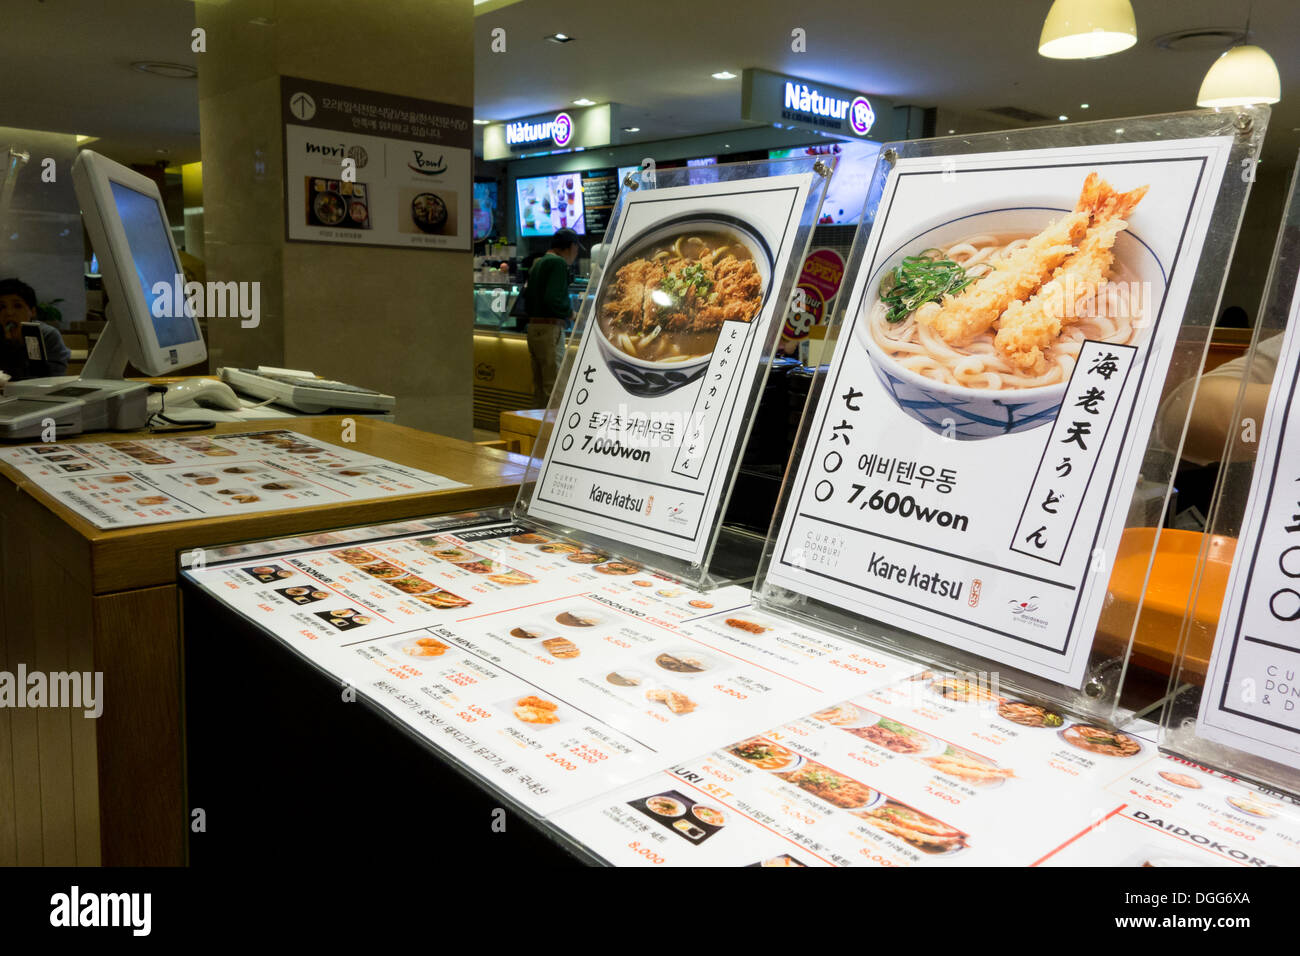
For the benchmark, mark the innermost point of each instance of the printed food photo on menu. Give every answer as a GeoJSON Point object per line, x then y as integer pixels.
{"type": "Point", "coordinates": [978, 321]}
{"type": "Point", "coordinates": [660, 315]}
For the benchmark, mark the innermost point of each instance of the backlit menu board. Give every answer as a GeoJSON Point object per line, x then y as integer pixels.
{"type": "Point", "coordinates": [599, 194]}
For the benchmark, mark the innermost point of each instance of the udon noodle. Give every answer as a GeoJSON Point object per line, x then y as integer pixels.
{"type": "Point", "coordinates": [669, 302]}
{"type": "Point", "coordinates": [1107, 314]}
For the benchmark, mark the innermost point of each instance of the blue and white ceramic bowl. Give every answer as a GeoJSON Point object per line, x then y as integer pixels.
{"type": "Point", "coordinates": [974, 413]}
{"type": "Point", "coordinates": [650, 379]}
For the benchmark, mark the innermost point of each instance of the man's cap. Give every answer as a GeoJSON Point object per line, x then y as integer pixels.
{"type": "Point", "coordinates": [564, 238]}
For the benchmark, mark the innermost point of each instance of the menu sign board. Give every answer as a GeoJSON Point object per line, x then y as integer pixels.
{"type": "Point", "coordinates": [599, 194]}
{"type": "Point", "coordinates": [369, 168]}
{"type": "Point", "coordinates": [654, 406]}
{"type": "Point", "coordinates": [1252, 694]}
{"type": "Point", "coordinates": [986, 412]}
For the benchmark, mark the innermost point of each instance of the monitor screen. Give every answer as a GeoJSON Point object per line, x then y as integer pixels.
{"type": "Point", "coordinates": [151, 250]}
{"type": "Point", "coordinates": [848, 188]}
{"type": "Point", "coordinates": [546, 204]}
{"type": "Point", "coordinates": [485, 209]}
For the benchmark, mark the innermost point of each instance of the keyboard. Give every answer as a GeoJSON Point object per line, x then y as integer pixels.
{"type": "Point", "coordinates": [312, 395]}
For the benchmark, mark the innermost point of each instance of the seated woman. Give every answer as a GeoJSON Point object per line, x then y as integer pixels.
{"type": "Point", "coordinates": [18, 305]}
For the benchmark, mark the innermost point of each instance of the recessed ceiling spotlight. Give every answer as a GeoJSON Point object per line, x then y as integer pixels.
{"type": "Point", "coordinates": [583, 101]}
{"type": "Point", "coordinates": [1083, 106]}
{"type": "Point", "coordinates": [560, 38]}
{"type": "Point", "coordinates": [175, 71]}
{"type": "Point", "coordinates": [1063, 117]}
{"type": "Point", "coordinates": [631, 129]}
{"type": "Point", "coordinates": [951, 131]}
{"type": "Point", "coordinates": [479, 122]}
{"type": "Point", "coordinates": [724, 75]}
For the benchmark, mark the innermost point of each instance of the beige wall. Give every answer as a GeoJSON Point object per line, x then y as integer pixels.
{"type": "Point", "coordinates": [394, 319]}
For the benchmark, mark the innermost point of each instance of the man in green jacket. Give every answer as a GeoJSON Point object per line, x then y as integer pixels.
{"type": "Point", "coordinates": [546, 296]}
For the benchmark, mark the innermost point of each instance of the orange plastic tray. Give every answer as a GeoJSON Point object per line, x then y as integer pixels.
{"type": "Point", "coordinates": [1168, 591]}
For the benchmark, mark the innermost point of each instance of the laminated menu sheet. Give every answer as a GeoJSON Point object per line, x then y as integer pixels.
{"type": "Point", "coordinates": [937, 770]}
{"type": "Point", "coordinates": [657, 725]}
{"type": "Point", "coordinates": [120, 484]}
{"type": "Point", "coordinates": [556, 673]}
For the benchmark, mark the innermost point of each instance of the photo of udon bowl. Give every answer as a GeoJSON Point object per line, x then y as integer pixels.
{"type": "Point", "coordinates": [974, 324]}
{"type": "Point", "coordinates": [661, 310]}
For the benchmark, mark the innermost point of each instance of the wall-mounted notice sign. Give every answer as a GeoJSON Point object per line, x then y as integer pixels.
{"type": "Point", "coordinates": [373, 169]}
{"type": "Point", "coordinates": [654, 406]}
{"type": "Point", "coordinates": [970, 460]}
{"type": "Point", "coordinates": [1252, 692]}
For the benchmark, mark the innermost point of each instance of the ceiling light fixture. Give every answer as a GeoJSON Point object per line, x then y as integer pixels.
{"type": "Point", "coordinates": [560, 38]}
{"type": "Point", "coordinates": [1063, 117]}
{"type": "Point", "coordinates": [175, 71]}
{"type": "Point", "coordinates": [479, 122]}
{"type": "Point", "coordinates": [1243, 76]}
{"type": "Point", "coordinates": [724, 75]}
{"type": "Point", "coordinates": [1083, 106]}
{"type": "Point", "coordinates": [631, 129]}
{"type": "Point", "coordinates": [1085, 29]}
{"type": "Point", "coordinates": [583, 101]}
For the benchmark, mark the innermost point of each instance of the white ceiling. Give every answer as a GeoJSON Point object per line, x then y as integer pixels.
{"type": "Point", "coordinates": [67, 68]}
{"type": "Point", "coordinates": [67, 62]}
{"type": "Point", "coordinates": [657, 59]}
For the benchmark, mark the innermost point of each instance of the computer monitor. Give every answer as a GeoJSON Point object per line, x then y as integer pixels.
{"type": "Point", "coordinates": [124, 215]}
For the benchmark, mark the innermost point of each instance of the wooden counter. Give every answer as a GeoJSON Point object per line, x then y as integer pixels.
{"type": "Point", "coordinates": [75, 597]}
{"type": "Point", "coordinates": [522, 427]}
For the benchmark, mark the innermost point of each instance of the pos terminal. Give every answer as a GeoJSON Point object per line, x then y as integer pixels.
{"type": "Point", "coordinates": [124, 215]}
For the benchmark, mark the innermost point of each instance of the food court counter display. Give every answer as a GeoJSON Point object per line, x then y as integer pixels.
{"type": "Point", "coordinates": [650, 724]}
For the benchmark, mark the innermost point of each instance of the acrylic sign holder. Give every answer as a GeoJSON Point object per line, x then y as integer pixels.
{"type": "Point", "coordinates": [722, 402]}
{"type": "Point", "coordinates": [1241, 624]}
{"type": "Point", "coordinates": [1236, 133]}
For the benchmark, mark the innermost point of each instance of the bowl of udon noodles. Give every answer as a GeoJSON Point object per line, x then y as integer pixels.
{"type": "Point", "coordinates": [971, 390]}
{"type": "Point", "coordinates": [666, 298]}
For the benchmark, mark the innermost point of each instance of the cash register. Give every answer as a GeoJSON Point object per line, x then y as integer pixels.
{"type": "Point", "coordinates": [127, 223]}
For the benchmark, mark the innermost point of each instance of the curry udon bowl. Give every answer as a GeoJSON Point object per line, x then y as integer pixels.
{"type": "Point", "coordinates": [967, 413]}
{"type": "Point", "coordinates": [645, 377]}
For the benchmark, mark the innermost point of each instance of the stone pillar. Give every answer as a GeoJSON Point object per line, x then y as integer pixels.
{"type": "Point", "coordinates": [399, 320]}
